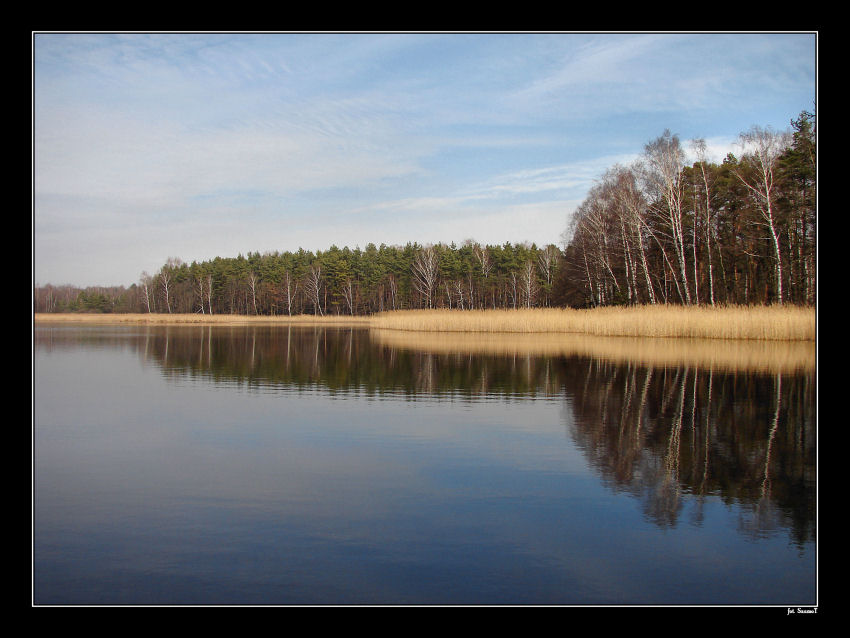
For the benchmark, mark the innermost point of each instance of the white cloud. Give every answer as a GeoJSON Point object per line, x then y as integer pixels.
{"type": "Point", "coordinates": [572, 178]}
{"type": "Point", "coordinates": [594, 60]}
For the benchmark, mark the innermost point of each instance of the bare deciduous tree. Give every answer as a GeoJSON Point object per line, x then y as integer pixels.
{"type": "Point", "coordinates": [392, 286]}
{"type": "Point", "coordinates": [664, 161]}
{"type": "Point", "coordinates": [530, 286]}
{"type": "Point", "coordinates": [700, 152]}
{"type": "Point", "coordinates": [199, 289]}
{"type": "Point", "coordinates": [313, 288]}
{"type": "Point", "coordinates": [547, 260]}
{"type": "Point", "coordinates": [146, 283]}
{"type": "Point", "coordinates": [762, 148]}
{"type": "Point", "coordinates": [632, 209]}
{"type": "Point", "coordinates": [165, 284]}
{"type": "Point", "coordinates": [425, 272]}
{"type": "Point", "coordinates": [458, 287]}
{"type": "Point", "coordinates": [209, 292]}
{"type": "Point", "coordinates": [483, 256]}
{"type": "Point", "coordinates": [348, 295]}
{"type": "Point", "coordinates": [289, 290]}
{"type": "Point", "coordinates": [513, 289]}
{"type": "Point", "coordinates": [252, 286]}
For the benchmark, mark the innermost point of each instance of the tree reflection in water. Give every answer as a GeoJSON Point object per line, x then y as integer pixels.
{"type": "Point", "coordinates": [664, 433]}
{"type": "Point", "coordinates": [729, 421]}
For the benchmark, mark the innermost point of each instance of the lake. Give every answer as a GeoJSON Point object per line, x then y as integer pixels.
{"type": "Point", "coordinates": [269, 465]}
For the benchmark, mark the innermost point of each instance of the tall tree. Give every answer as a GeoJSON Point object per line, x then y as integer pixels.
{"type": "Point", "coordinates": [425, 272]}
{"type": "Point", "coordinates": [762, 148]}
{"type": "Point", "coordinates": [529, 284]}
{"type": "Point", "coordinates": [313, 288]}
{"type": "Point", "coordinates": [664, 161]}
{"type": "Point", "coordinates": [632, 207]}
{"type": "Point", "coordinates": [547, 261]}
{"type": "Point", "coordinates": [146, 283]}
{"type": "Point", "coordinates": [165, 285]}
{"type": "Point", "coordinates": [699, 147]}
{"type": "Point", "coordinates": [798, 174]}
{"type": "Point", "coordinates": [289, 291]}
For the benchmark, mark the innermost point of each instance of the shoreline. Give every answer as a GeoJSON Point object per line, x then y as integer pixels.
{"type": "Point", "coordinates": [196, 319]}
{"type": "Point", "coordinates": [762, 323]}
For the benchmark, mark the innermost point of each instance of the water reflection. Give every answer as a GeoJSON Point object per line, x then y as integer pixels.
{"type": "Point", "coordinates": [665, 433]}
{"type": "Point", "coordinates": [667, 423]}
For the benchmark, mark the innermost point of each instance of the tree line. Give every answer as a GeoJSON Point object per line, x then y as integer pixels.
{"type": "Point", "coordinates": [662, 230]}
{"type": "Point", "coordinates": [666, 230]}
{"type": "Point", "coordinates": [335, 281]}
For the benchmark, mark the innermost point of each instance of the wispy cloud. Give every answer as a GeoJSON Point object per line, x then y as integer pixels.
{"type": "Point", "coordinates": [572, 179]}
{"type": "Point", "coordinates": [594, 60]}
{"type": "Point", "coordinates": [599, 74]}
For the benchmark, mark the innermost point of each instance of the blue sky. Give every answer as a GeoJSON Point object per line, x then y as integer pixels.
{"type": "Point", "coordinates": [148, 146]}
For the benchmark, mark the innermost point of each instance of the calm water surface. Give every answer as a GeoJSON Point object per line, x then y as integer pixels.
{"type": "Point", "coordinates": [269, 465]}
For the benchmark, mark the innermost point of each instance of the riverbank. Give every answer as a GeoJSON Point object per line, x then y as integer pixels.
{"type": "Point", "coordinates": [199, 319]}
{"type": "Point", "coordinates": [784, 323]}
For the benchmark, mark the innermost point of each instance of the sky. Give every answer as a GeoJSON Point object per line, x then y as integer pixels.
{"type": "Point", "coordinates": [147, 146]}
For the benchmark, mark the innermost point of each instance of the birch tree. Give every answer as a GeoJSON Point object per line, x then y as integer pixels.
{"type": "Point", "coordinates": [425, 271]}
{"type": "Point", "coordinates": [664, 161]}
{"type": "Point", "coordinates": [513, 289]}
{"type": "Point", "coordinates": [762, 148]}
{"type": "Point", "coordinates": [700, 152]}
{"type": "Point", "coordinates": [290, 288]}
{"type": "Point", "coordinates": [252, 287]}
{"type": "Point", "coordinates": [199, 289]}
{"type": "Point", "coordinates": [530, 286]}
{"type": "Point", "coordinates": [392, 287]}
{"type": "Point", "coordinates": [348, 295]}
{"type": "Point", "coordinates": [594, 216]}
{"type": "Point", "coordinates": [165, 285]}
{"type": "Point", "coordinates": [633, 210]}
{"type": "Point", "coordinates": [313, 288]}
{"type": "Point", "coordinates": [483, 256]}
{"type": "Point", "coordinates": [209, 292]}
{"type": "Point", "coordinates": [146, 283]}
{"type": "Point", "coordinates": [547, 260]}
{"type": "Point", "coordinates": [458, 287]}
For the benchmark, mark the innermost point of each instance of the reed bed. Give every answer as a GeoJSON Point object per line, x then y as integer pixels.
{"type": "Point", "coordinates": [764, 338]}
{"type": "Point", "coordinates": [784, 323]}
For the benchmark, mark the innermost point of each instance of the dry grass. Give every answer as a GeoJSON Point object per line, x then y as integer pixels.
{"type": "Point", "coordinates": [785, 323]}
{"type": "Point", "coordinates": [782, 323]}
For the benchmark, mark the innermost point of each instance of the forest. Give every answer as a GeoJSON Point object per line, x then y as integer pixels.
{"type": "Point", "coordinates": [671, 228]}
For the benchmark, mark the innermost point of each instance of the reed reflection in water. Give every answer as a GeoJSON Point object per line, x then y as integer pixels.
{"type": "Point", "coordinates": [674, 430]}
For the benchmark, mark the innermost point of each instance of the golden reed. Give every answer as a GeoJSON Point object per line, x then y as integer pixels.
{"type": "Point", "coordinates": [784, 323]}
{"type": "Point", "coordinates": [764, 338]}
